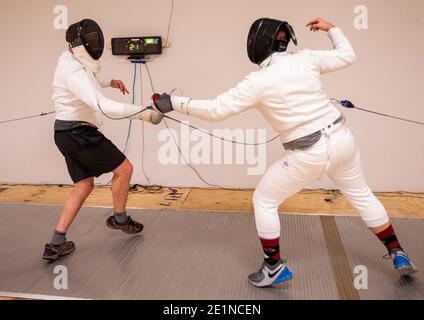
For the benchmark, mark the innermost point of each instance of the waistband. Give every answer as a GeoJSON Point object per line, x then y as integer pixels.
{"type": "Point", "coordinates": [62, 126]}
{"type": "Point", "coordinates": [310, 140]}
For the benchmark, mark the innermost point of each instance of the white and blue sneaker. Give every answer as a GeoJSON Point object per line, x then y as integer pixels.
{"type": "Point", "coordinates": [270, 275]}
{"type": "Point", "coordinates": [402, 263]}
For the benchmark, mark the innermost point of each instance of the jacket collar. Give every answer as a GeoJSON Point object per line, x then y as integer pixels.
{"type": "Point", "coordinates": [272, 59]}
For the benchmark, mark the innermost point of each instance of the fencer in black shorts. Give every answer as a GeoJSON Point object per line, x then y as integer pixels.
{"type": "Point", "coordinates": [80, 106]}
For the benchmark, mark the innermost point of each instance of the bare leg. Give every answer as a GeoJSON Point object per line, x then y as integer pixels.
{"type": "Point", "coordinates": [74, 203]}
{"type": "Point", "coordinates": [120, 186]}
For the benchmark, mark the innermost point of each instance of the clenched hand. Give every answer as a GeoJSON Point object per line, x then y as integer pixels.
{"type": "Point", "coordinates": [320, 24]}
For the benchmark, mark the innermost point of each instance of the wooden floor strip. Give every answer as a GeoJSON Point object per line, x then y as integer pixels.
{"type": "Point", "coordinates": [339, 261]}
{"type": "Point", "coordinates": [319, 202]}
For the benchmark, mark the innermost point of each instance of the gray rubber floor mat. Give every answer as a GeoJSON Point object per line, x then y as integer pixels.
{"type": "Point", "coordinates": [362, 249]}
{"type": "Point", "coordinates": [192, 255]}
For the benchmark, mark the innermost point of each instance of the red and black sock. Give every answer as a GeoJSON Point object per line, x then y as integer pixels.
{"type": "Point", "coordinates": [389, 239]}
{"type": "Point", "coordinates": [271, 250]}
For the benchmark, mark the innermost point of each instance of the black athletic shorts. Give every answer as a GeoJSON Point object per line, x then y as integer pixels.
{"type": "Point", "coordinates": [88, 153]}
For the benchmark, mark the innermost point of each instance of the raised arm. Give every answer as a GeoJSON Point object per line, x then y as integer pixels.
{"type": "Point", "coordinates": [340, 57]}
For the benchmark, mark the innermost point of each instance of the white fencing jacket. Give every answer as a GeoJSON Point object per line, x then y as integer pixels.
{"type": "Point", "coordinates": [287, 90]}
{"type": "Point", "coordinates": [77, 94]}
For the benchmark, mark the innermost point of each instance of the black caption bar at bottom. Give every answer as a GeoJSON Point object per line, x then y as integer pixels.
{"type": "Point", "coordinates": [194, 310]}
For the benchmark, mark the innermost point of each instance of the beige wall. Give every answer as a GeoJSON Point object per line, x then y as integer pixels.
{"type": "Point", "coordinates": [208, 56]}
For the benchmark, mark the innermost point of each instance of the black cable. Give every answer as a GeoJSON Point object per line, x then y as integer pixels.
{"type": "Point", "coordinates": [190, 165]}
{"type": "Point", "coordinates": [168, 33]}
{"type": "Point", "coordinates": [123, 118]}
{"type": "Point", "coordinates": [143, 128]}
{"type": "Point", "coordinates": [169, 24]}
{"type": "Point", "coordinates": [389, 116]}
{"type": "Point", "coordinates": [52, 112]}
{"type": "Point", "coordinates": [221, 138]}
{"type": "Point", "coordinates": [30, 117]}
{"type": "Point", "coordinates": [349, 105]}
{"type": "Point", "coordinates": [150, 189]}
{"type": "Point", "coordinates": [34, 185]}
{"type": "Point", "coordinates": [150, 78]}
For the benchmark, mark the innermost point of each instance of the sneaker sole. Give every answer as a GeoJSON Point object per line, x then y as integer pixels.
{"type": "Point", "coordinates": [287, 279]}
{"type": "Point", "coordinates": [407, 271]}
{"type": "Point", "coordinates": [276, 282]}
{"type": "Point", "coordinates": [284, 279]}
{"type": "Point", "coordinates": [258, 285]}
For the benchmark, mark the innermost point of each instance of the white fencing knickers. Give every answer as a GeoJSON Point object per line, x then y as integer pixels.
{"type": "Point", "coordinates": [336, 156]}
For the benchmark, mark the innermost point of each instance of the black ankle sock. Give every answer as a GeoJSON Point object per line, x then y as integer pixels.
{"type": "Point", "coordinates": [121, 218]}
{"type": "Point", "coordinates": [58, 238]}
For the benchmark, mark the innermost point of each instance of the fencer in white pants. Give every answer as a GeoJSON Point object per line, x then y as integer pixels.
{"type": "Point", "coordinates": [336, 156]}
{"type": "Point", "coordinates": [287, 90]}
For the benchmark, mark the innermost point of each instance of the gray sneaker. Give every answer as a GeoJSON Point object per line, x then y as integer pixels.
{"type": "Point", "coordinates": [269, 275]}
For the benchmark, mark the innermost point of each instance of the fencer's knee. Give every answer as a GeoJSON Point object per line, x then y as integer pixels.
{"type": "Point", "coordinates": [257, 198]}
{"type": "Point", "coordinates": [266, 216]}
{"type": "Point", "coordinates": [129, 169]}
{"type": "Point", "coordinates": [262, 204]}
{"type": "Point", "coordinates": [372, 211]}
{"type": "Point", "coordinates": [85, 187]}
{"type": "Point", "coordinates": [126, 169]}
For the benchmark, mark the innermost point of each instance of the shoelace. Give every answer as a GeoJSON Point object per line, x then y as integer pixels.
{"type": "Point", "coordinates": [266, 265]}
{"type": "Point", "coordinates": [389, 255]}
{"type": "Point", "coordinates": [132, 224]}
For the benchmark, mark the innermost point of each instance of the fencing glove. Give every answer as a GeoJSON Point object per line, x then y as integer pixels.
{"type": "Point", "coordinates": [162, 103]}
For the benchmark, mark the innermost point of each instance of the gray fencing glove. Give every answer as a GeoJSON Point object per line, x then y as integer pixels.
{"type": "Point", "coordinates": [162, 103]}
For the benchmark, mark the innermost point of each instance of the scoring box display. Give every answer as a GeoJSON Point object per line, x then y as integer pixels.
{"type": "Point", "coordinates": [136, 46]}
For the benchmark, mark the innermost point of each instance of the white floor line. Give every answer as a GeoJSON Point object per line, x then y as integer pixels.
{"type": "Point", "coordinates": [35, 296]}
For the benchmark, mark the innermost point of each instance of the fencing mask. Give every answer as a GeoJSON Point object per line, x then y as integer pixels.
{"type": "Point", "coordinates": [87, 43]}
{"type": "Point", "coordinates": [264, 39]}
